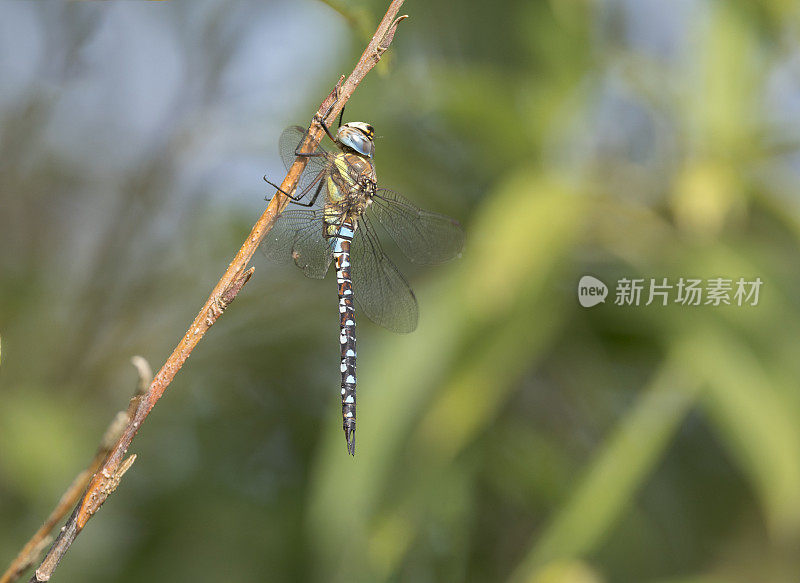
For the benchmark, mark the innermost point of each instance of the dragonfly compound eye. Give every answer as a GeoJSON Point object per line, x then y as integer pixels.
{"type": "Point", "coordinates": [363, 127]}
{"type": "Point", "coordinates": [358, 137]}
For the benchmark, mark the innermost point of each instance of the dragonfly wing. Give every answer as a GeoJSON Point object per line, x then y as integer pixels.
{"type": "Point", "coordinates": [424, 237]}
{"type": "Point", "coordinates": [289, 142]}
{"type": "Point", "coordinates": [297, 234]}
{"type": "Point", "coordinates": [380, 291]}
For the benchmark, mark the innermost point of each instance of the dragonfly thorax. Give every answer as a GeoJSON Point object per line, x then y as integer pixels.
{"type": "Point", "coordinates": [358, 137]}
{"type": "Point", "coordinates": [351, 177]}
{"type": "Point", "coordinates": [351, 185]}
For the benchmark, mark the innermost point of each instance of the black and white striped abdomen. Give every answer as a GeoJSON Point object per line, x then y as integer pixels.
{"type": "Point", "coordinates": [347, 332]}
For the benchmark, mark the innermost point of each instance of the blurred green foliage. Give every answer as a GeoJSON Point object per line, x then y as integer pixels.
{"type": "Point", "coordinates": [515, 436]}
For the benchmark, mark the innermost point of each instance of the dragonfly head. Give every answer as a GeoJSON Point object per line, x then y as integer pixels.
{"type": "Point", "coordinates": [357, 136]}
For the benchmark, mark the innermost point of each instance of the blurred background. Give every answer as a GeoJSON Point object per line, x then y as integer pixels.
{"type": "Point", "coordinates": [515, 436]}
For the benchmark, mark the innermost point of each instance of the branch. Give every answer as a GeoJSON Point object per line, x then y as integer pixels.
{"type": "Point", "coordinates": [106, 479]}
{"type": "Point", "coordinates": [39, 541]}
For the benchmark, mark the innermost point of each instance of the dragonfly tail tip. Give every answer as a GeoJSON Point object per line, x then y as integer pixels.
{"type": "Point", "coordinates": [350, 436]}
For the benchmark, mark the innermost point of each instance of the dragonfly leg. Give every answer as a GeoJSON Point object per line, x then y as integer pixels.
{"type": "Point", "coordinates": [321, 121]}
{"type": "Point", "coordinates": [324, 126]}
{"type": "Point", "coordinates": [296, 199]}
{"type": "Point", "coordinates": [316, 194]}
{"type": "Point", "coordinates": [335, 99]}
{"type": "Point", "coordinates": [279, 189]}
{"type": "Point", "coordinates": [300, 154]}
{"type": "Point", "coordinates": [308, 154]}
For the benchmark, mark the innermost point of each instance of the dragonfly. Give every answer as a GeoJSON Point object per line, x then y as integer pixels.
{"type": "Point", "coordinates": [337, 205]}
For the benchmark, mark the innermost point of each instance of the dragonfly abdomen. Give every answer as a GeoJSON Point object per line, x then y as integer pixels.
{"type": "Point", "coordinates": [347, 332]}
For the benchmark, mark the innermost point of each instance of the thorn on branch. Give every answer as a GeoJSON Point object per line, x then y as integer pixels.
{"type": "Point", "coordinates": [145, 373]}
{"type": "Point", "coordinates": [383, 46]}
{"type": "Point", "coordinates": [103, 490]}
{"type": "Point", "coordinates": [113, 481]}
{"type": "Point", "coordinates": [145, 379]}
{"type": "Point", "coordinates": [224, 299]}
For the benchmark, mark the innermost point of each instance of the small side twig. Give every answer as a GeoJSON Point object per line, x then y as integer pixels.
{"type": "Point", "coordinates": [107, 476]}
{"type": "Point", "coordinates": [145, 374]}
{"type": "Point", "coordinates": [41, 539]}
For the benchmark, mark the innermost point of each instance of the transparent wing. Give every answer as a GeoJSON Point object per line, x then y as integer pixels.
{"type": "Point", "coordinates": [380, 291]}
{"type": "Point", "coordinates": [424, 237]}
{"type": "Point", "coordinates": [288, 143]}
{"type": "Point", "coordinates": [297, 234]}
